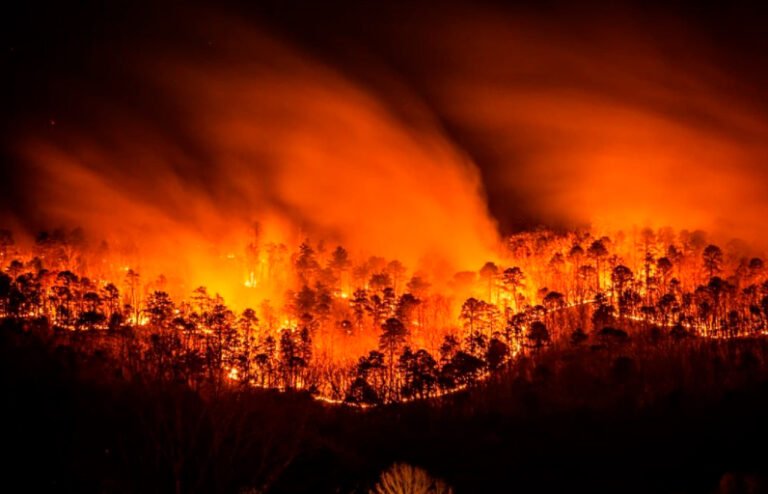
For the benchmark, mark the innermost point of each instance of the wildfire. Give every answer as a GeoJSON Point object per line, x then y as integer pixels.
{"type": "Point", "coordinates": [401, 334]}
{"type": "Point", "coordinates": [278, 219]}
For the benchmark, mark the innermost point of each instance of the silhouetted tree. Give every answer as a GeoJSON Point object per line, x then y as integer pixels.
{"type": "Point", "coordinates": [392, 337]}
{"type": "Point", "coordinates": [712, 258]}
{"type": "Point", "coordinates": [537, 335]}
{"type": "Point", "coordinates": [512, 282]}
{"type": "Point", "coordinates": [497, 354]}
{"type": "Point", "coordinates": [598, 253]}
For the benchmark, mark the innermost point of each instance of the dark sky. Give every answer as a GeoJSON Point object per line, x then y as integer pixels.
{"type": "Point", "coordinates": [436, 64]}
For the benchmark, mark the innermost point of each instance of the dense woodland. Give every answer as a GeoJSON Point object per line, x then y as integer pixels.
{"type": "Point", "coordinates": [628, 340]}
{"type": "Point", "coordinates": [368, 331]}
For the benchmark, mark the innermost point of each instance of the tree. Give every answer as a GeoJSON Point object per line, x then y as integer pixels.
{"type": "Point", "coordinates": [290, 358]}
{"type": "Point", "coordinates": [305, 263]}
{"type": "Point", "coordinates": [379, 282]}
{"type": "Point", "coordinates": [64, 295]}
{"type": "Point", "coordinates": [620, 276]}
{"type": "Point", "coordinates": [402, 478]}
{"type": "Point", "coordinates": [25, 296]}
{"type": "Point", "coordinates": [497, 354]}
{"type": "Point", "coordinates": [361, 392]}
{"type": "Point", "coordinates": [159, 309]}
{"type": "Point", "coordinates": [132, 280]}
{"type": "Point", "coordinates": [420, 373]}
{"type": "Point", "coordinates": [712, 258]}
{"type": "Point", "coordinates": [381, 307]}
{"type": "Point", "coordinates": [247, 324]}
{"type": "Point", "coordinates": [406, 305]}
{"type": "Point", "coordinates": [304, 302]}
{"type": "Point", "coordinates": [575, 255]}
{"type": "Point", "coordinates": [666, 305]}
{"type": "Point", "coordinates": [340, 259]}
{"type": "Point", "coordinates": [451, 345]}
{"type": "Point", "coordinates": [418, 286]}
{"type": "Point", "coordinates": [111, 296]}
{"type": "Point", "coordinates": [538, 335]}
{"type": "Point", "coordinates": [578, 336]}
{"type": "Point", "coordinates": [265, 360]}
{"type": "Point", "coordinates": [513, 331]}
{"type": "Point", "coordinates": [603, 314]}
{"type": "Point", "coordinates": [489, 272]}
{"type": "Point", "coordinates": [664, 268]}
{"type": "Point", "coordinates": [554, 302]}
{"type": "Point", "coordinates": [477, 315]}
{"type": "Point", "coordinates": [583, 275]}
{"type": "Point", "coordinates": [597, 252]}
{"type": "Point", "coordinates": [556, 263]}
{"type": "Point", "coordinates": [648, 238]}
{"type": "Point", "coordinates": [678, 332]}
{"type": "Point", "coordinates": [360, 305]}
{"type": "Point", "coordinates": [512, 281]}
{"type": "Point", "coordinates": [92, 316]}
{"type": "Point", "coordinates": [340, 264]}
{"type": "Point", "coordinates": [609, 335]}
{"type": "Point", "coordinates": [718, 288]}
{"type": "Point", "coordinates": [756, 267]}
{"type": "Point", "coordinates": [470, 310]}
{"type": "Point", "coordinates": [463, 368]}
{"type": "Point", "coordinates": [220, 344]}
{"type": "Point", "coordinates": [372, 369]}
{"type": "Point", "coordinates": [392, 337]}
{"type": "Point", "coordinates": [477, 344]}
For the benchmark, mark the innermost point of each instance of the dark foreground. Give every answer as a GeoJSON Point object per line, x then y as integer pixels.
{"type": "Point", "coordinates": [652, 415]}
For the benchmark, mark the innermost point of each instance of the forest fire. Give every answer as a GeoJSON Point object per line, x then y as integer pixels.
{"type": "Point", "coordinates": [249, 242]}
{"type": "Point", "coordinates": [369, 330]}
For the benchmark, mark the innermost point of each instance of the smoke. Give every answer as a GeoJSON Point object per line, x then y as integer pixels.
{"type": "Point", "coordinates": [615, 118]}
{"type": "Point", "coordinates": [383, 130]}
{"type": "Point", "coordinates": [195, 144]}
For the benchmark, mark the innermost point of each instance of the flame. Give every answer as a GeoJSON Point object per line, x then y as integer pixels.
{"type": "Point", "coordinates": [233, 374]}
{"type": "Point", "coordinates": [268, 136]}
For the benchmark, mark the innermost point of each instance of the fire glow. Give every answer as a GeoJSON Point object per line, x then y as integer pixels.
{"type": "Point", "coordinates": [296, 225]}
{"type": "Point", "coordinates": [369, 330]}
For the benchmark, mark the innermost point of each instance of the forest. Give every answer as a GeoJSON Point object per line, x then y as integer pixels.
{"type": "Point", "coordinates": [368, 331]}
{"type": "Point", "coordinates": [362, 366]}
{"type": "Point", "coordinates": [344, 247]}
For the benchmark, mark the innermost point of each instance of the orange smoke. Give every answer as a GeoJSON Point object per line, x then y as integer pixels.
{"type": "Point", "coordinates": [255, 131]}
{"type": "Point", "coordinates": [610, 119]}
{"type": "Point", "coordinates": [617, 118]}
